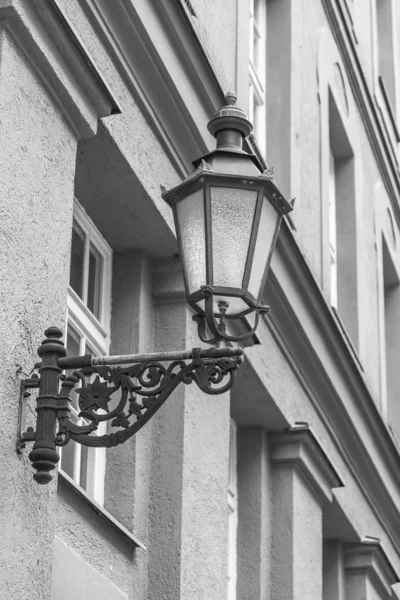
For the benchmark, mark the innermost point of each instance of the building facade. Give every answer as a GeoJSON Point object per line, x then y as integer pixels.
{"type": "Point", "coordinates": [288, 488]}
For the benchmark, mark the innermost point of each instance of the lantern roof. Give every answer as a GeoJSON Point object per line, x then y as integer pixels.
{"type": "Point", "coordinates": [230, 126]}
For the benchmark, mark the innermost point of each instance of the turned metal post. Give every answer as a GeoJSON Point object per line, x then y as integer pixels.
{"type": "Point", "coordinates": [44, 456]}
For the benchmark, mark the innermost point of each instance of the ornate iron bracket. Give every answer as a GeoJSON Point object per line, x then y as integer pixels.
{"type": "Point", "coordinates": [127, 397]}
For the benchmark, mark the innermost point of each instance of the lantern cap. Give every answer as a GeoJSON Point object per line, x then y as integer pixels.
{"type": "Point", "coordinates": [230, 117]}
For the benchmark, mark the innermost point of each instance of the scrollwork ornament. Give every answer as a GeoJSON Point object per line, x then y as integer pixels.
{"type": "Point", "coordinates": [128, 397]}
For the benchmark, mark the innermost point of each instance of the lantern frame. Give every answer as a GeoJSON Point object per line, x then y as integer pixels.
{"type": "Point", "coordinates": [204, 177]}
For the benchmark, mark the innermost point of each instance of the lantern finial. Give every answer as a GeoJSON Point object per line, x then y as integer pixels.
{"type": "Point", "coordinates": [230, 98]}
{"type": "Point", "coordinates": [230, 124]}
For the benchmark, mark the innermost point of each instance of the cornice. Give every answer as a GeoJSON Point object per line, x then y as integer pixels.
{"type": "Point", "coordinates": [342, 31]}
{"type": "Point", "coordinates": [307, 333]}
{"type": "Point", "coordinates": [369, 559]}
{"type": "Point", "coordinates": [54, 51]}
{"type": "Point", "coordinates": [300, 449]}
{"type": "Point", "coordinates": [134, 35]}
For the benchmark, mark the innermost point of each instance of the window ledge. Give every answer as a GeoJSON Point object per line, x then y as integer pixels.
{"type": "Point", "coordinates": [347, 339]}
{"type": "Point", "coordinates": [99, 510]}
{"type": "Point", "coordinates": [388, 107]}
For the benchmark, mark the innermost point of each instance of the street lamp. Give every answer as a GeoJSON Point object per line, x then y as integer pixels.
{"type": "Point", "coordinates": [227, 215]}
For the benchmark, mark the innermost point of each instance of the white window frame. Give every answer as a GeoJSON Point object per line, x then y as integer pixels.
{"type": "Point", "coordinates": [232, 514]}
{"type": "Point", "coordinates": [98, 330]}
{"type": "Point", "coordinates": [96, 333]}
{"type": "Point", "coordinates": [257, 70]}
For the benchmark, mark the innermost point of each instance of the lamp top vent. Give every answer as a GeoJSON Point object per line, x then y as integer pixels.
{"type": "Point", "coordinates": [230, 117]}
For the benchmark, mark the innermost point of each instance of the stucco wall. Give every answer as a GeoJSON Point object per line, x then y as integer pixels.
{"type": "Point", "coordinates": [37, 163]}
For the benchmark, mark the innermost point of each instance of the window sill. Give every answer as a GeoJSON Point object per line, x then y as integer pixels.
{"type": "Point", "coordinates": [347, 339]}
{"type": "Point", "coordinates": [387, 112]}
{"type": "Point", "coordinates": [69, 484]}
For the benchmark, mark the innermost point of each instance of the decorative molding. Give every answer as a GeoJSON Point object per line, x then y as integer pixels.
{"type": "Point", "coordinates": [135, 49]}
{"type": "Point", "coordinates": [56, 54]}
{"type": "Point", "coordinates": [341, 86]}
{"type": "Point", "coordinates": [86, 58]}
{"type": "Point", "coordinates": [369, 558]}
{"type": "Point", "coordinates": [389, 108]}
{"type": "Point", "coordinates": [383, 150]}
{"type": "Point", "coordinates": [299, 448]}
{"type": "Point", "coordinates": [306, 331]}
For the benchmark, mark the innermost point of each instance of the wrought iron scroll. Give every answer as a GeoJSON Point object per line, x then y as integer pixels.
{"type": "Point", "coordinates": [143, 388]}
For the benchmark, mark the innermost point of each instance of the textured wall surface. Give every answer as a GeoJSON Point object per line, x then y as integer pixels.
{"type": "Point", "coordinates": [189, 468]}
{"type": "Point", "coordinates": [74, 578]}
{"type": "Point", "coordinates": [37, 162]}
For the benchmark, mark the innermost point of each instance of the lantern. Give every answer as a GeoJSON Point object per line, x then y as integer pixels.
{"type": "Point", "coordinates": [227, 216]}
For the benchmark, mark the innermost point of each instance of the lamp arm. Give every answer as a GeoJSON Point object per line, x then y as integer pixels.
{"type": "Point", "coordinates": [206, 374]}
{"type": "Point", "coordinates": [143, 388]}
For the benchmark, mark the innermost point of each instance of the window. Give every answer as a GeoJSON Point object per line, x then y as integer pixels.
{"type": "Point", "coordinates": [388, 263]}
{"type": "Point", "coordinates": [232, 513]}
{"type": "Point", "coordinates": [257, 70]}
{"type": "Point", "coordinates": [342, 224]}
{"type": "Point", "coordinates": [390, 376]}
{"type": "Point", "coordinates": [332, 232]}
{"type": "Point", "coordinates": [88, 332]}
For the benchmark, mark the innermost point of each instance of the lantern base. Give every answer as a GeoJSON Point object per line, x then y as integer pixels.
{"type": "Point", "coordinates": [208, 320]}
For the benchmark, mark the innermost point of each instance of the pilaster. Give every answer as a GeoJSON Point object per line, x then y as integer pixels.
{"type": "Point", "coordinates": [333, 570]}
{"type": "Point", "coordinates": [302, 480]}
{"type": "Point", "coordinates": [254, 515]}
{"type": "Point", "coordinates": [188, 524]}
{"type": "Point", "coordinates": [369, 572]}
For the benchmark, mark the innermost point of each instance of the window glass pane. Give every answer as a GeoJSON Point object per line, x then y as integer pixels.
{"type": "Point", "coordinates": [77, 259]}
{"type": "Point", "coordinates": [84, 467]}
{"type": "Point", "coordinates": [73, 349]}
{"type": "Point", "coordinates": [73, 342]}
{"type": "Point", "coordinates": [69, 455]}
{"type": "Point", "coordinates": [94, 281]}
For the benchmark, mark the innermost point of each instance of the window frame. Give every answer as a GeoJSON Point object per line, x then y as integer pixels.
{"type": "Point", "coordinates": [257, 69]}
{"type": "Point", "coordinates": [97, 329]}
{"type": "Point", "coordinates": [94, 332]}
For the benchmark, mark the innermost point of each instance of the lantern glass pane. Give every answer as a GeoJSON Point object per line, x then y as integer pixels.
{"type": "Point", "coordinates": [269, 221]}
{"type": "Point", "coordinates": [190, 216]}
{"type": "Point", "coordinates": [232, 213]}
